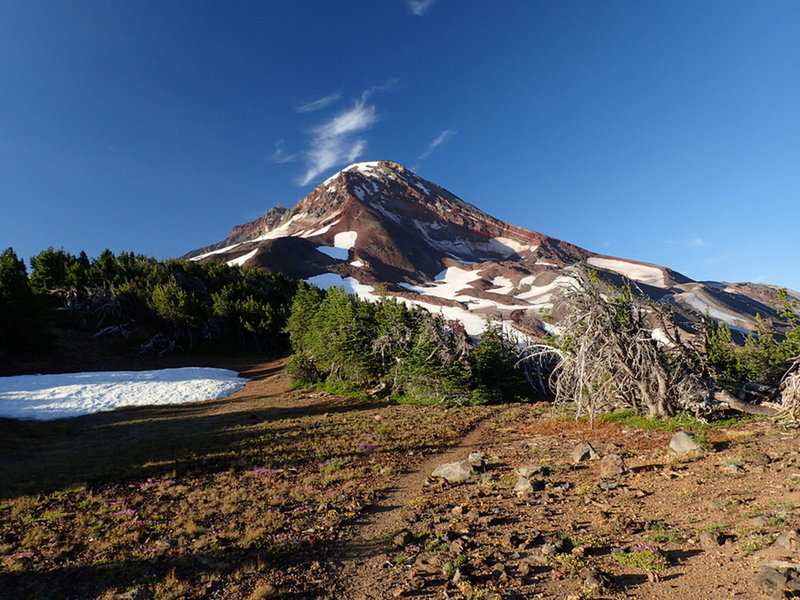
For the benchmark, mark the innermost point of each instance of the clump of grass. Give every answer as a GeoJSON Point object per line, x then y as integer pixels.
{"type": "Point", "coordinates": [450, 567]}
{"type": "Point", "coordinates": [589, 540]}
{"type": "Point", "coordinates": [661, 531]}
{"type": "Point", "coordinates": [649, 559]}
{"type": "Point", "coordinates": [755, 543]}
{"type": "Point", "coordinates": [680, 422]}
{"type": "Point", "coordinates": [568, 564]}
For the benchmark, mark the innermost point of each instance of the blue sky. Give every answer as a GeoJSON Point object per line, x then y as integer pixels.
{"type": "Point", "coordinates": [667, 132]}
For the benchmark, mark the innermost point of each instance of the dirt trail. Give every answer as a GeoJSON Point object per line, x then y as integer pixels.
{"type": "Point", "coordinates": [357, 562]}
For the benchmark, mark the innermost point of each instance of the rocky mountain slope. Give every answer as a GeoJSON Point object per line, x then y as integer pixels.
{"type": "Point", "coordinates": [378, 228]}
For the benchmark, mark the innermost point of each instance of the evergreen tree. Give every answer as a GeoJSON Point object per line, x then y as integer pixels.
{"type": "Point", "coordinates": [20, 328]}
{"type": "Point", "coordinates": [493, 361]}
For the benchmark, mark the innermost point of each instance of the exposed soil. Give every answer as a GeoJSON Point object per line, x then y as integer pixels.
{"type": "Point", "coordinates": [713, 515]}
{"type": "Point", "coordinates": [276, 494]}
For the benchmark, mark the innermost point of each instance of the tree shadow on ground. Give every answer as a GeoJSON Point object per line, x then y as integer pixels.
{"type": "Point", "coordinates": [212, 571]}
{"type": "Point", "coordinates": [141, 442]}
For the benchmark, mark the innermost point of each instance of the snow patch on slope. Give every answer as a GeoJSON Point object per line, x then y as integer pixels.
{"type": "Point", "coordinates": [320, 231]}
{"type": "Point", "coordinates": [704, 307]}
{"type": "Point", "coordinates": [281, 231]}
{"type": "Point", "coordinates": [46, 397]}
{"type": "Point", "coordinates": [350, 285]}
{"type": "Point", "coordinates": [345, 239]}
{"type": "Point", "coordinates": [448, 284]}
{"type": "Point", "coordinates": [641, 273]}
{"type": "Point", "coordinates": [240, 260]}
{"type": "Point", "coordinates": [220, 251]}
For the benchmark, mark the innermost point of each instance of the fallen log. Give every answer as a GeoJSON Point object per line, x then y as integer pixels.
{"type": "Point", "coordinates": [745, 407]}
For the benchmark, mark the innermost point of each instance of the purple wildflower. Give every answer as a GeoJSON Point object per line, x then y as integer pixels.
{"type": "Point", "coordinates": [265, 471]}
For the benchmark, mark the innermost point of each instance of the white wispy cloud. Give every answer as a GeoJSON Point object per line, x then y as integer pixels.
{"type": "Point", "coordinates": [280, 155]}
{"type": "Point", "coordinates": [694, 242]}
{"type": "Point", "coordinates": [334, 142]}
{"type": "Point", "coordinates": [419, 7]}
{"type": "Point", "coordinates": [440, 139]}
{"type": "Point", "coordinates": [320, 103]}
{"type": "Point", "coordinates": [715, 260]}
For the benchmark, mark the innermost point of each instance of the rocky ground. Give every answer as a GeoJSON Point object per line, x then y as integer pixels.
{"type": "Point", "coordinates": [297, 494]}
{"type": "Point", "coordinates": [553, 508]}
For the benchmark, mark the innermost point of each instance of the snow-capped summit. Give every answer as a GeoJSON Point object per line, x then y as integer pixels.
{"type": "Point", "coordinates": [379, 224]}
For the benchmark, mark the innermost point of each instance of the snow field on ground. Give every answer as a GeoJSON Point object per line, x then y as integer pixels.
{"type": "Point", "coordinates": [47, 397]}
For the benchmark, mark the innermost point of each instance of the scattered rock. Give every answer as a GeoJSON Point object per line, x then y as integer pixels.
{"type": "Point", "coordinates": [477, 459]}
{"type": "Point", "coordinates": [596, 582]}
{"type": "Point", "coordinates": [787, 542]}
{"type": "Point", "coordinates": [683, 442]}
{"type": "Point", "coordinates": [455, 472]}
{"type": "Point", "coordinates": [759, 522]}
{"type": "Point", "coordinates": [523, 486]}
{"type": "Point", "coordinates": [778, 582]}
{"type": "Point", "coordinates": [760, 459]}
{"type": "Point", "coordinates": [403, 538]}
{"type": "Point", "coordinates": [607, 486]}
{"type": "Point", "coordinates": [733, 469]}
{"type": "Point", "coordinates": [529, 472]}
{"type": "Point", "coordinates": [612, 465]}
{"type": "Point", "coordinates": [711, 539]}
{"type": "Point", "coordinates": [582, 452]}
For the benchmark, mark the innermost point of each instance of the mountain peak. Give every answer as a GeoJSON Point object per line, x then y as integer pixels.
{"type": "Point", "coordinates": [376, 224]}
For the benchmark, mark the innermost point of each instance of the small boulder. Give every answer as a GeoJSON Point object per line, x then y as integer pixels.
{"type": "Point", "coordinates": [711, 539]}
{"type": "Point", "coordinates": [403, 538]}
{"type": "Point", "coordinates": [760, 459]}
{"type": "Point", "coordinates": [523, 486]}
{"type": "Point", "coordinates": [683, 442]}
{"type": "Point", "coordinates": [530, 472]}
{"type": "Point", "coordinates": [455, 472]}
{"type": "Point", "coordinates": [612, 465]}
{"type": "Point", "coordinates": [787, 542]}
{"type": "Point", "coordinates": [777, 583]}
{"type": "Point", "coordinates": [596, 582]}
{"type": "Point", "coordinates": [477, 459]}
{"type": "Point", "coordinates": [583, 451]}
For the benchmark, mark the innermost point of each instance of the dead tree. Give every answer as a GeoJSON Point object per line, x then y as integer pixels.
{"type": "Point", "coordinates": [790, 393]}
{"type": "Point", "coordinates": [612, 359]}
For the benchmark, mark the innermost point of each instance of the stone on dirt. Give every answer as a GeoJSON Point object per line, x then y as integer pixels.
{"type": "Point", "coordinates": [711, 539]}
{"type": "Point", "coordinates": [778, 582]}
{"type": "Point", "coordinates": [403, 538]}
{"type": "Point", "coordinates": [529, 472]}
{"type": "Point", "coordinates": [477, 459]}
{"type": "Point", "coordinates": [583, 451]}
{"type": "Point", "coordinates": [787, 542]}
{"type": "Point", "coordinates": [683, 442]}
{"type": "Point", "coordinates": [454, 472]}
{"type": "Point", "coordinates": [612, 465]}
